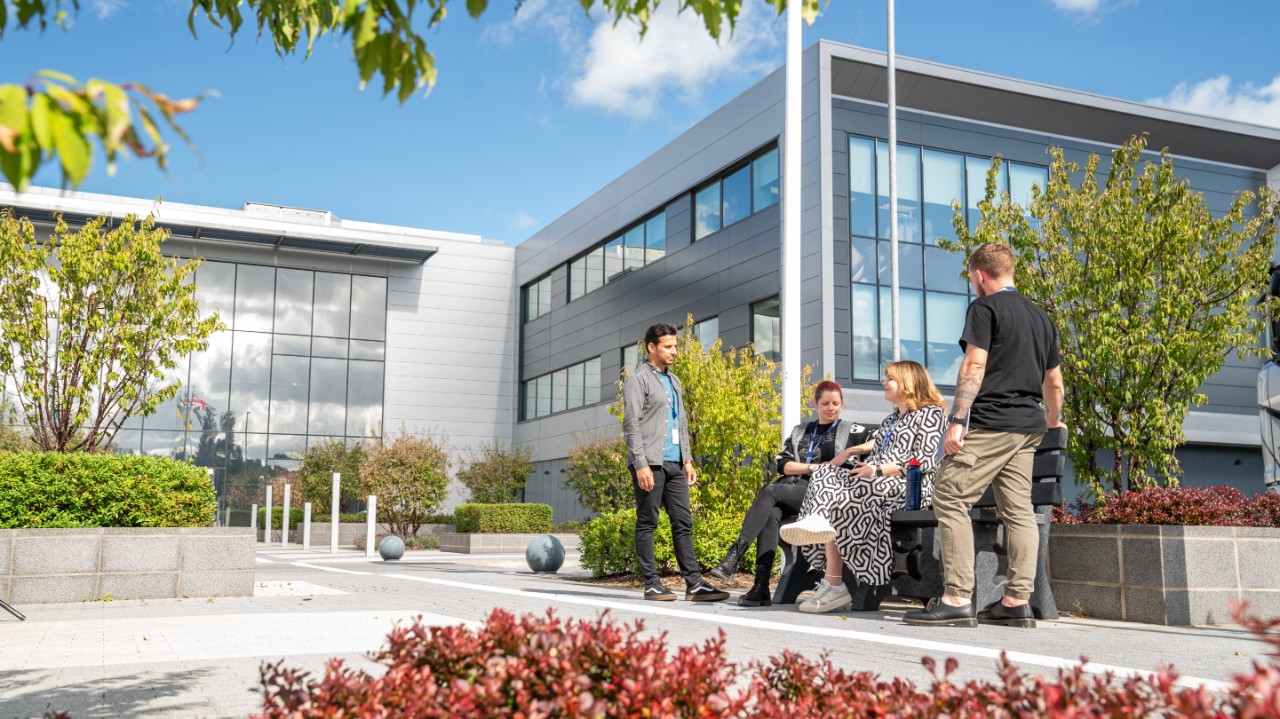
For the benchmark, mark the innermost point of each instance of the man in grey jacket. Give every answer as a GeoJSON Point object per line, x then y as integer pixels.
{"type": "Point", "coordinates": [657, 433]}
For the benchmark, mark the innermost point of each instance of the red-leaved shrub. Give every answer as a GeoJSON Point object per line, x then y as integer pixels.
{"type": "Point", "coordinates": [534, 666]}
{"type": "Point", "coordinates": [1189, 506]}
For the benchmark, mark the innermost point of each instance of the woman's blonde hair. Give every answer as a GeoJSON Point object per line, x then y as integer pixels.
{"type": "Point", "coordinates": [915, 384]}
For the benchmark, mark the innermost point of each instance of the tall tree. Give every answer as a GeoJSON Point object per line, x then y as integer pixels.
{"type": "Point", "coordinates": [1150, 293]}
{"type": "Point", "coordinates": [91, 321]}
{"type": "Point", "coordinates": [57, 115]}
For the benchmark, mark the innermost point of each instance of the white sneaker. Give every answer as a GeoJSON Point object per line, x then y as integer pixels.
{"type": "Point", "coordinates": [808, 594]}
{"type": "Point", "coordinates": [835, 599]}
{"type": "Point", "coordinates": [813, 529]}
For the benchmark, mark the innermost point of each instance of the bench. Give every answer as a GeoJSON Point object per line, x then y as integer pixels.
{"type": "Point", "coordinates": [917, 560]}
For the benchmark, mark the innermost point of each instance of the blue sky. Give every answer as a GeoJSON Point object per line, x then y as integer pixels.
{"type": "Point", "coordinates": [535, 111]}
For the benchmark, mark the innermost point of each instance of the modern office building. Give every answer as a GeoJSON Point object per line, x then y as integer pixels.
{"type": "Point", "coordinates": [335, 325]}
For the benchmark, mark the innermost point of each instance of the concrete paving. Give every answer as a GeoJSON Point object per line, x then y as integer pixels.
{"type": "Point", "coordinates": [202, 658]}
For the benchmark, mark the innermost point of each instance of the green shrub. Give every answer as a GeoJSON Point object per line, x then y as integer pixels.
{"type": "Point", "coordinates": [609, 543]}
{"type": "Point", "coordinates": [598, 473]}
{"type": "Point", "coordinates": [409, 473]}
{"type": "Point", "coordinates": [497, 475]}
{"type": "Point", "coordinates": [316, 470]}
{"type": "Point", "coordinates": [50, 489]}
{"type": "Point", "coordinates": [503, 518]}
{"type": "Point", "coordinates": [425, 541]}
{"type": "Point", "coordinates": [277, 516]}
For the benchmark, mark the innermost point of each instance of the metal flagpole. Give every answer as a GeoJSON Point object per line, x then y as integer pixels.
{"type": "Point", "coordinates": [893, 189]}
{"type": "Point", "coordinates": [790, 296]}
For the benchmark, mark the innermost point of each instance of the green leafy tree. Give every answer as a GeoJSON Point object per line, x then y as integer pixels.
{"type": "Point", "coordinates": [597, 472]}
{"type": "Point", "coordinates": [734, 401]}
{"type": "Point", "coordinates": [91, 322]}
{"type": "Point", "coordinates": [55, 115]}
{"type": "Point", "coordinates": [409, 474]}
{"type": "Point", "coordinates": [316, 468]}
{"type": "Point", "coordinates": [497, 475]}
{"type": "Point", "coordinates": [1150, 292]}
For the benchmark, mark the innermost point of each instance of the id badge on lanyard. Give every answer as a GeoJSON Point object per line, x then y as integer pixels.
{"type": "Point", "coordinates": [675, 417]}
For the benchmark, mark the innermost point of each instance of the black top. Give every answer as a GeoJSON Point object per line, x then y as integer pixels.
{"type": "Point", "coordinates": [1022, 345]}
{"type": "Point", "coordinates": [822, 439]}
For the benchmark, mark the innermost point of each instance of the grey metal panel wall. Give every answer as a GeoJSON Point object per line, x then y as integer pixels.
{"type": "Point", "coordinates": [546, 486]}
{"type": "Point", "coordinates": [1231, 391]}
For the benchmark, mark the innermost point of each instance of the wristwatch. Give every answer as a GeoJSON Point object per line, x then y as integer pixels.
{"type": "Point", "coordinates": [952, 419]}
{"type": "Point", "coordinates": [879, 470]}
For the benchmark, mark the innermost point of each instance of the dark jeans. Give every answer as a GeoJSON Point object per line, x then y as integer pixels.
{"type": "Point", "coordinates": [764, 518]}
{"type": "Point", "coordinates": [670, 490]}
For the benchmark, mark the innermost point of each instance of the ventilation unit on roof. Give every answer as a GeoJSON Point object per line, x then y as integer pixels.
{"type": "Point", "coordinates": [281, 213]}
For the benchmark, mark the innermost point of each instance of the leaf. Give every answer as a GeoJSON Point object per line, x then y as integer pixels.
{"type": "Point", "coordinates": [73, 149]}
{"type": "Point", "coordinates": [13, 116]}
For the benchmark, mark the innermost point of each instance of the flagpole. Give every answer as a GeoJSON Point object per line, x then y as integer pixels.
{"type": "Point", "coordinates": [790, 291]}
{"type": "Point", "coordinates": [891, 69]}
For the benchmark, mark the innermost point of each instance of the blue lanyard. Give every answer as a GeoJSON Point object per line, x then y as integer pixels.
{"type": "Point", "coordinates": [816, 441]}
{"type": "Point", "coordinates": [887, 436]}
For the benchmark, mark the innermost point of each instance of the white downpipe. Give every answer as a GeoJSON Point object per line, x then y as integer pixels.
{"type": "Point", "coordinates": [893, 188]}
{"type": "Point", "coordinates": [790, 296]}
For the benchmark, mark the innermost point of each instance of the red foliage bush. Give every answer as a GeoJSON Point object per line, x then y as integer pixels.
{"type": "Point", "coordinates": [1208, 506]}
{"type": "Point", "coordinates": [543, 667]}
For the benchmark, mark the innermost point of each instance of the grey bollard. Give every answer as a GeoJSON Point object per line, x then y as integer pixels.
{"type": "Point", "coordinates": [284, 519]}
{"type": "Point", "coordinates": [333, 515]}
{"type": "Point", "coordinates": [253, 519]}
{"type": "Point", "coordinates": [306, 526]}
{"type": "Point", "coordinates": [266, 526]}
{"type": "Point", "coordinates": [371, 523]}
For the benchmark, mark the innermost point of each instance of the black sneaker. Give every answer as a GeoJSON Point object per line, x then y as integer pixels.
{"type": "Point", "coordinates": [703, 592]}
{"type": "Point", "coordinates": [659, 593]}
{"type": "Point", "coordinates": [998, 613]}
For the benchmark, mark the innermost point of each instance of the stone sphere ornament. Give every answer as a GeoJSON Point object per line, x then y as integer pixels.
{"type": "Point", "coordinates": [545, 554]}
{"type": "Point", "coordinates": [391, 548]}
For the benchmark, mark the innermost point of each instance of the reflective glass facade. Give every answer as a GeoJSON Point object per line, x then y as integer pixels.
{"type": "Point", "coordinates": [302, 358]}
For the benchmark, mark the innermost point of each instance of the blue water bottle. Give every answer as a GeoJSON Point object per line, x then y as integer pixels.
{"type": "Point", "coordinates": [915, 482]}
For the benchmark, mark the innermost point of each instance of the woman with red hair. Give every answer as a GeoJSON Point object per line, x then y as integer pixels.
{"type": "Point", "coordinates": [826, 441]}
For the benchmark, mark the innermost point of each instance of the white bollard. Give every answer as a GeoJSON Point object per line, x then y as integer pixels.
{"type": "Point", "coordinates": [306, 526]}
{"type": "Point", "coordinates": [371, 523]}
{"type": "Point", "coordinates": [284, 519]}
{"type": "Point", "coordinates": [253, 519]}
{"type": "Point", "coordinates": [333, 514]}
{"type": "Point", "coordinates": [266, 526]}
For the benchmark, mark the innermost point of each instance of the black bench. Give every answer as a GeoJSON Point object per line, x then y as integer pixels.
{"type": "Point", "coordinates": [917, 560]}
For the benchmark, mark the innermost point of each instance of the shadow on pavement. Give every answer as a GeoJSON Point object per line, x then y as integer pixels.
{"type": "Point", "coordinates": [32, 693]}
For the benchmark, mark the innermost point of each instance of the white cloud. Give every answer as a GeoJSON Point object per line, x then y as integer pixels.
{"type": "Point", "coordinates": [523, 221]}
{"type": "Point", "coordinates": [622, 74]}
{"type": "Point", "coordinates": [106, 8]}
{"type": "Point", "coordinates": [1084, 7]}
{"type": "Point", "coordinates": [563, 20]}
{"type": "Point", "coordinates": [1257, 104]}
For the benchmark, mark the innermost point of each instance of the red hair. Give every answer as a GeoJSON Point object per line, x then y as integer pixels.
{"type": "Point", "coordinates": [826, 386]}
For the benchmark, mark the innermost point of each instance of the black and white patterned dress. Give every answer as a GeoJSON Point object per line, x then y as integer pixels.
{"type": "Point", "coordinates": [859, 509]}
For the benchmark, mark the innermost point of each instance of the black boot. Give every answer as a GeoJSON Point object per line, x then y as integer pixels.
{"type": "Point", "coordinates": [728, 566]}
{"type": "Point", "coordinates": [759, 595]}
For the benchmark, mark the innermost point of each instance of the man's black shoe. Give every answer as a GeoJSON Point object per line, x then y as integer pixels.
{"type": "Point", "coordinates": [1019, 616]}
{"type": "Point", "coordinates": [659, 593]}
{"type": "Point", "coordinates": [703, 592]}
{"type": "Point", "coordinates": [938, 614]}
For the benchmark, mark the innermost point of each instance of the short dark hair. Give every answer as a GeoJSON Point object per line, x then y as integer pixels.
{"type": "Point", "coordinates": [654, 334]}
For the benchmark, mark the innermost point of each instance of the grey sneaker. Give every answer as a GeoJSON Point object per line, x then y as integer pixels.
{"type": "Point", "coordinates": [834, 599]}
{"type": "Point", "coordinates": [813, 529]}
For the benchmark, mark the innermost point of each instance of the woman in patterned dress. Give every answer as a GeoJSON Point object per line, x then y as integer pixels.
{"type": "Point", "coordinates": [845, 514]}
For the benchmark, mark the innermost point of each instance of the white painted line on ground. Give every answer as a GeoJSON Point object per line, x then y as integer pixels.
{"type": "Point", "coordinates": [327, 569]}
{"type": "Point", "coordinates": [264, 561]}
{"type": "Point", "coordinates": [943, 648]}
{"type": "Point", "coordinates": [292, 589]}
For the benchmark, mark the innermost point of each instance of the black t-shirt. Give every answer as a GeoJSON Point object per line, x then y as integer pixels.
{"type": "Point", "coordinates": [818, 444]}
{"type": "Point", "coordinates": [1021, 345]}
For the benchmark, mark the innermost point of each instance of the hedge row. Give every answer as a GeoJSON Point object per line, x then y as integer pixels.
{"type": "Point", "coordinates": [50, 489]}
{"type": "Point", "coordinates": [1220, 506]}
{"type": "Point", "coordinates": [503, 518]}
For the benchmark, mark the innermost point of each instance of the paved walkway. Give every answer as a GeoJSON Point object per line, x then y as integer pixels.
{"type": "Point", "coordinates": [199, 657]}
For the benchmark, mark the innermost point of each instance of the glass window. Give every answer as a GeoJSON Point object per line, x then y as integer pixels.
{"type": "Point", "coordinates": [630, 357]}
{"type": "Point", "coordinates": [250, 380]}
{"type": "Point", "coordinates": [764, 180]}
{"type": "Point", "coordinates": [862, 260]}
{"type": "Point", "coordinates": [655, 237]}
{"type": "Point", "coordinates": [1021, 179]}
{"type": "Point", "coordinates": [537, 298]}
{"type": "Point", "coordinates": [530, 400]}
{"type": "Point", "coordinates": [613, 259]}
{"type": "Point", "coordinates": [595, 269]}
{"type": "Point", "coordinates": [369, 308]}
{"type": "Point", "coordinates": [910, 265]}
{"type": "Point", "coordinates": [292, 344]}
{"type": "Point", "coordinates": [942, 270]}
{"type": "Point", "coordinates": [946, 320]}
{"type": "Point", "coordinates": [707, 331]}
{"type": "Point", "coordinates": [368, 350]}
{"type": "Point", "coordinates": [908, 168]}
{"type": "Point", "coordinates": [177, 413]}
{"type": "Point", "coordinates": [910, 325]}
{"type": "Point", "coordinates": [165, 444]}
{"type": "Point", "coordinates": [736, 193]}
{"type": "Point", "coordinates": [127, 441]}
{"type": "Point", "coordinates": [364, 398]}
{"type": "Point", "coordinates": [943, 184]}
{"type": "Point", "coordinates": [254, 295]}
{"type": "Point", "coordinates": [575, 386]}
{"type": "Point", "coordinates": [866, 338]}
{"type": "Point", "coordinates": [862, 197]}
{"type": "Point", "coordinates": [293, 301]}
{"type": "Point", "coordinates": [766, 326]}
{"type": "Point", "coordinates": [633, 249]}
{"type": "Point", "coordinates": [706, 211]}
{"type": "Point", "coordinates": [326, 415]}
{"type": "Point", "coordinates": [216, 289]}
{"type": "Point", "coordinates": [286, 446]}
{"type": "Point", "coordinates": [591, 381]}
{"type": "Point", "coordinates": [210, 383]}
{"type": "Point", "coordinates": [559, 387]}
{"type": "Point", "coordinates": [289, 389]}
{"type": "Point", "coordinates": [328, 347]}
{"type": "Point", "coordinates": [976, 169]}
{"type": "Point", "coordinates": [332, 305]}
{"type": "Point", "coordinates": [544, 395]}
{"type": "Point", "coordinates": [577, 278]}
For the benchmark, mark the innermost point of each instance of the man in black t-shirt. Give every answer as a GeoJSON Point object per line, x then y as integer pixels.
{"type": "Point", "coordinates": [1010, 367]}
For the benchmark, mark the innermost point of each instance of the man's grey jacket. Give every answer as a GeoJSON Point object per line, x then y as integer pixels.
{"type": "Point", "coordinates": [645, 410]}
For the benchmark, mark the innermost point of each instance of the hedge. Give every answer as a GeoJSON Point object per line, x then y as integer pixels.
{"type": "Point", "coordinates": [609, 543]}
{"type": "Point", "coordinates": [296, 514]}
{"type": "Point", "coordinates": [50, 489]}
{"type": "Point", "coordinates": [503, 518]}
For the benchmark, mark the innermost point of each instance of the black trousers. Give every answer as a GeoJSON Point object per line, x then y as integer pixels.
{"type": "Point", "coordinates": [764, 518]}
{"type": "Point", "coordinates": [670, 491]}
